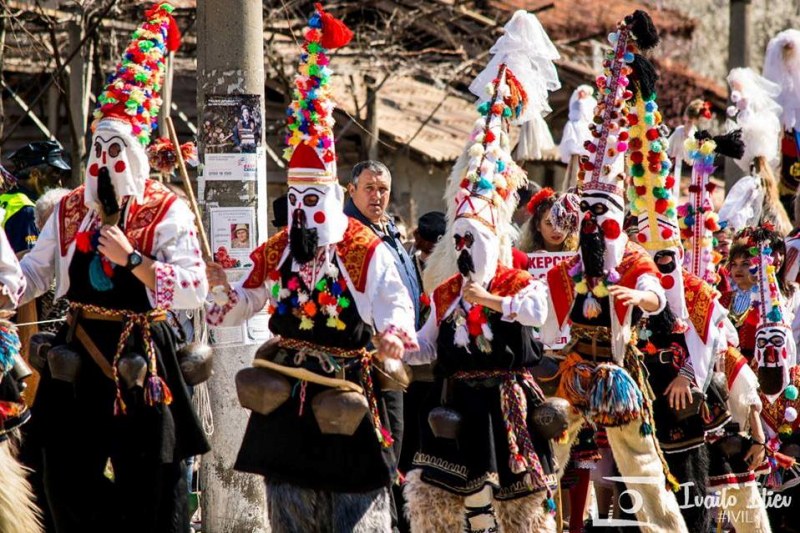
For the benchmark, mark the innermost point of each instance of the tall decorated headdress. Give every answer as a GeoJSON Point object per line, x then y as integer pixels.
{"type": "Point", "coordinates": [512, 89]}
{"type": "Point", "coordinates": [602, 170]}
{"type": "Point", "coordinates": [127, 108]}
{"type": "Point", "coordinates": [650, 194]}
{"type": "Point", "coordinates": [652, 183]}
{"type": "Point", "coordinates": [600, 178]}
{"type": "Point", "coordinates": [310, 148]}
{"type": "Point", "coordinates": [698, 220]}
{"type": "Point", "coordinates": [775, 350]}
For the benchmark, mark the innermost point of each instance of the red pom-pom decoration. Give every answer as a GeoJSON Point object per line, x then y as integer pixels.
{"type": "Point", "coordinates": [538, 198]}
{"type": "Point", "coordinates": [611, 229]}
{"type": "Point", "coordinates": [335, 32]}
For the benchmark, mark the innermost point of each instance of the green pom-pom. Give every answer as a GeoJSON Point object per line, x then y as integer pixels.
{"type": "Point", "coordinates": [649, 119]}
{"type": "Point", "coordinates": [507, 112]}
{"type": "Point", "coordinates": [321, 284]}
{"type": "Point", "coordinates": [343, 302]}
{"type": "Point", "coordinates": [645, 429]}
{"type": "Point", "coordinates": [313, 48]}
{"type": "Point", "coordinates": [656, 146]}
{"type": "Point", "coordinates": [660, 192]}
{"type": "Point", "coordinates": [313, 70]}
{"type": "Point", "coordinates": [167, 7]}
{"type": "Point", "coordinates": [790, 392]}
{"type": "Point", "coordinates": [637, 170]}
{"type": "Point", "coordinates": [145, 46]}
{"type": "Point", "coordinates": [483, 109]}
{"type": "Point", "coordinates": [141, 78]}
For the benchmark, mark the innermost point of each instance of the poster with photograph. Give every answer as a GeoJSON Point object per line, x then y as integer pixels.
{"type": "Point", "coordinates": [231, 131]}
{"type": "Point", "coordinates": [232, 124]}
{"type": "Point", "coordinates": [233, 236]}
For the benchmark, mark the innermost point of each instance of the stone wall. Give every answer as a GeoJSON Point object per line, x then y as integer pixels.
{"type": "Point", "coordinates": [708, 53]}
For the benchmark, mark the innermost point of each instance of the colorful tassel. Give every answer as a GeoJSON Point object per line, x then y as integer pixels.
{"type": "Point", "coordinates": [97, 275]}
{"type": "Point", "coordinates": [591, 307]}
{"type": "Point", "coordinates": [614, 399]}
{"type": "Point", "coordinates": [10, 346]}
{"type": "Point", "coordinates": [157, 392]}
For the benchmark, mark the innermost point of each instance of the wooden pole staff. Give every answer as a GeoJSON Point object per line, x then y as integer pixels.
{"type": "Point", "coordinates": [187, 185]}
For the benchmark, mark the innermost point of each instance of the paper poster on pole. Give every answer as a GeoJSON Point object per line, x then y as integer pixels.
{"type": "Point", "coordinates": [538, 265]}
{"type": "Point", "coordinates": [233, 236]}
{"type": "Point", "coordinates": [540, 262]}
{"type": "Point", "coordinates": [231, 132]}
{"type": "Point", "coordinates": [257, 329]}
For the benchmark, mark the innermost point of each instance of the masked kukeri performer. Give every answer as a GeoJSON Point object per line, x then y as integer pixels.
{"type": "Point", "coordinates": [731, 468]}
{"type": "Point", "coordinates": [576, 132]}
{"type": "Point", "coordinates": [754, 198]}
{"type": "Point", "coordinates": [18, 513]}
{"type": "Point", "coordinates": [483, 464]}
{"type": "Point", "coordinates": [680, 344]}
{"type": "Point", "coordinates": [782, 66]}
{"type": "Point", "coordinates": [331, 285]}
{"type": "Point", "coordinates": [774, 361]}
{"type": "Point", "coordinates": [605, 290]}
{"type": "Point", "coordinates": [123, 251]}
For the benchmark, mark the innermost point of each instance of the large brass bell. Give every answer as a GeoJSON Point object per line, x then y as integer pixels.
{"type": "Point", "coordinates": [262, 390]}
{"type": "Point", "coordinates": [132, 370]}
{"type": "Point", "coordinates": [690, 409]}
{"type": "Point", "coordinates": [268, 350]}
{"type": "Point", "coordinates": [40, 344]}
{"type": "Point", "coordinates": [197, 362]}
{"type": "Point", "coordinates": [445, 423]}
{"type": "Point", "coordinates": [20, 370]}
{"type": "Point", "coordinates": [550, 417]}
{"type": "Point", "coordinates": [64, 363]}
{"type": "Point", "coordinates": [339, 412]}
{"type": "Point", "coordinates": [544, 373]}
{"type": "Point", "coordinates": [392, 375]}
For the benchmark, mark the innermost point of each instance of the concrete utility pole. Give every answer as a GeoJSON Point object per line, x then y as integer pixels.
{"type": "Point", "coordinates": [739, 35]}
{"type": "Point", "coordinates": [230, 60]}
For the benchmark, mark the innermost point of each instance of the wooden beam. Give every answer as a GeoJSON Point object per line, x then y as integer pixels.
{"type": "Point", "coordinates": [28, 111]}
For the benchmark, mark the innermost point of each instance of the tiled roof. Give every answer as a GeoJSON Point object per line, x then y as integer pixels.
{"type": "Point", "coordinates": [570, 20]}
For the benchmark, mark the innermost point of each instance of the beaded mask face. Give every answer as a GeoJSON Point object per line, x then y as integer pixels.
{"type": "Point", "coordinates": [478, 250]}
{"type": "Point", "coordinates": [116, 150]}
{"type": "Point", "coordinates": [774, 355]}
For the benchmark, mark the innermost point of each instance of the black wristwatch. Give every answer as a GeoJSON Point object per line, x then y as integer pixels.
{"type": "Point", "coordinates": [134, 260]}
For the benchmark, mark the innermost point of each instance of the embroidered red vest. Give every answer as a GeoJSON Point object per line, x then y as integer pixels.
{"type": "Point", "coordinates": [355, 250]}
{"type": "Point", "coordinates": [773, 413]}
{"type": "Point", "coordinates": [506, 282]}
{"type": "Point", "coordinates": [700, 298]}
{"type": "Point", "coordinates": [142, 218]}
{"type": "Point", "coordinates": [635, 262]}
